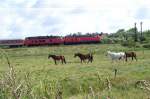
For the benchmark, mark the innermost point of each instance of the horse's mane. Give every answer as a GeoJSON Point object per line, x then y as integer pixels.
{"type": "Point", "coordinates": [91, 54]}
{"type": "Point", "coordinates": [79, 54]}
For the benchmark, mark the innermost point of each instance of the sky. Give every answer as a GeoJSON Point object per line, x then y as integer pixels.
{"type": "Point", "coordinates": [24, 18]}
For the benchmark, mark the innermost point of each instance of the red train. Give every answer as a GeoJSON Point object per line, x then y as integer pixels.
{"type": "Point", "coordinates": [12, 43]}
{"type": "Point", "coordinates": [53, 40]}
{"type": "Point", "coordinates": [43, 40]}
{"type": "Point", "coordinates": [82, 39]}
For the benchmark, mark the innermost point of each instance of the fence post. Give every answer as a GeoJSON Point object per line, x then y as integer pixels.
{"type": "Point", "coordinates": [116, 72]}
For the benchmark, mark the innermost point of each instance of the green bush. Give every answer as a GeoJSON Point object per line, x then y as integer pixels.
{"type": "Point", "coordinates": [146, 45]}
{"type": "Point", "coordinates": [142, 39]}
{"type": "Point", "coordinates": [107, 41]}
{"type": "Point", "coordinates": [128, 43]}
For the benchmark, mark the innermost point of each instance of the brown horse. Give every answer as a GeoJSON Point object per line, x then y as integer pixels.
{"type": "Point", "coordinates": [130, 54]}
{"type": "Point", "coordinates": [84, 57]}
{"type": "Point", "coordinates": [57, 58]}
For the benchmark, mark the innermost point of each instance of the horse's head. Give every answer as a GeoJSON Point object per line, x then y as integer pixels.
{"type": "Point", "coordinates": [76, 54]}
{"type": "Point", "coordinates": [108, 51]}
{"type": "Point", "coordinates": [106, 54]}
{"type": "Point", "coordinates": [49, 56]}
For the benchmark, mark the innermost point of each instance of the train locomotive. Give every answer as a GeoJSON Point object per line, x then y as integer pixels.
{"type": "Point", "coordinates": [52, 40]}
{"type": "Point", "coordinates": [43, 40]}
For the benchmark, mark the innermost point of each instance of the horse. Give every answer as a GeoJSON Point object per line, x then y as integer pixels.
{"type": "Point", "coordinates": [130, 54]}
{"type": "Point", "coordinates": [116, 55]}
{"type": "Point", "coordinates": [84, 57]}
{"type": "Point", "coordinates": [57, 58]}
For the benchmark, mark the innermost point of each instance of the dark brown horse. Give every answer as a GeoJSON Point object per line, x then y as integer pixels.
{"type": "Point", "coordinates": [84, 57]}
{"type": "Point", "coordinates": [57, 58]}
{"type": "Point", "coordinates": [130, 54]}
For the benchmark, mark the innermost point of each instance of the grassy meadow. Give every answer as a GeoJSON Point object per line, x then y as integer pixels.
{"type": "Point", "coordinates": [37, 77]}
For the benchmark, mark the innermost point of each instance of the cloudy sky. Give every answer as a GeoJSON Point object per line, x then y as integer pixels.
{"type": "Point", "coordinates": [22, 18]}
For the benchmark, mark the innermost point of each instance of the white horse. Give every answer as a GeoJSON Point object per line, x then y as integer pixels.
{"type": "Point", "coordinates": [116, 55]}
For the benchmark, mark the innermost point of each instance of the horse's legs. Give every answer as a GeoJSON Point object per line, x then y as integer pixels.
{"type": "Point", "coordinates": [132, 57]}
{"type": "Point", "coordinates": [91, 59]}
{"type": "Point", "coordinates": [88, 60]}
{"type": "Point", "coordinates": [84, 61]}
{"type": "Point", "coordinates": [135, 58]}
{"type": "Point", "coordinates": [81, 60]}
{"type": "Point", "coordinates": [120, 58]}
{"type": "Point", "coordinates": [55, 62]}
{"type": "Point", "coordinates": [126, 59]}
{"type": "Point", "coordinates": [62, 61]}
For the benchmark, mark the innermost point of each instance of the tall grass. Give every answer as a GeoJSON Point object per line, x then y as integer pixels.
{"type": "Point", "coordinates": [91, 85]}
{"type": "Point", "coordinates": [14, 86]}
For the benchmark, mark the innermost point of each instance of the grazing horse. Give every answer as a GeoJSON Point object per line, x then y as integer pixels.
{"type": "Point", "coordinates": [130, 54]}
{"type": "Point", "coordinates": [84, 57]}
{"type": "Point", "coordinates": [57, 58]}
{"type": "Point", "coordinates": [116, 55]}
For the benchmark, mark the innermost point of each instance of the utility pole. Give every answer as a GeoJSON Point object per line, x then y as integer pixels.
{"type": "Point", "coordinates": [135, 39]}
{"type": "Point", "coordinates": [141, 37]}
{"type": "Point", "coordinates": [141, 29]}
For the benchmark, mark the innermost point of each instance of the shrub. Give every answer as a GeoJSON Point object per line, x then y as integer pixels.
{"type": "Point", "coordinates": [142, 38]}
{"type": "Point", "coordinates": [128, 43]}
{"type": "Point", "coordinates": [107, 41]}
{"type": "Point", "coordinates": [146, 45]}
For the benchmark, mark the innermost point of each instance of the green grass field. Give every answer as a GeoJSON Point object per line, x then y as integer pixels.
{"type": "Point", "coordinates": [76, 80]}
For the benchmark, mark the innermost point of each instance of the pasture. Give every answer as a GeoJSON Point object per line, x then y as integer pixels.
{"type": "Point", "coordinates": [75, 80]}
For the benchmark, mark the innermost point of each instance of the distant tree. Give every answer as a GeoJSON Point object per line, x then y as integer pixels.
{"type": "Point", "coordinates": [146, 36]}
{"type": "Point", "coordinates": [79, 33]}
{"type": "Point", "coordinates": [87, 34]}
{"type": "Point", "coordinates": [133, 33]}
{"type": "Point", "coordinates": [120, 31]}
{"type": "Point", "coordinates": [122, 34]}
{"type": "Point", "coordinates": [130, 31]}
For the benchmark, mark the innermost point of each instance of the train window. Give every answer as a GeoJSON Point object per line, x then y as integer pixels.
{"type": "Point", "coordinates": [43, 40]}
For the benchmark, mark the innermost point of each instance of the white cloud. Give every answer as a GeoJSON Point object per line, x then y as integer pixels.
{"type": "Point", "coordinates": [21, 18]}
